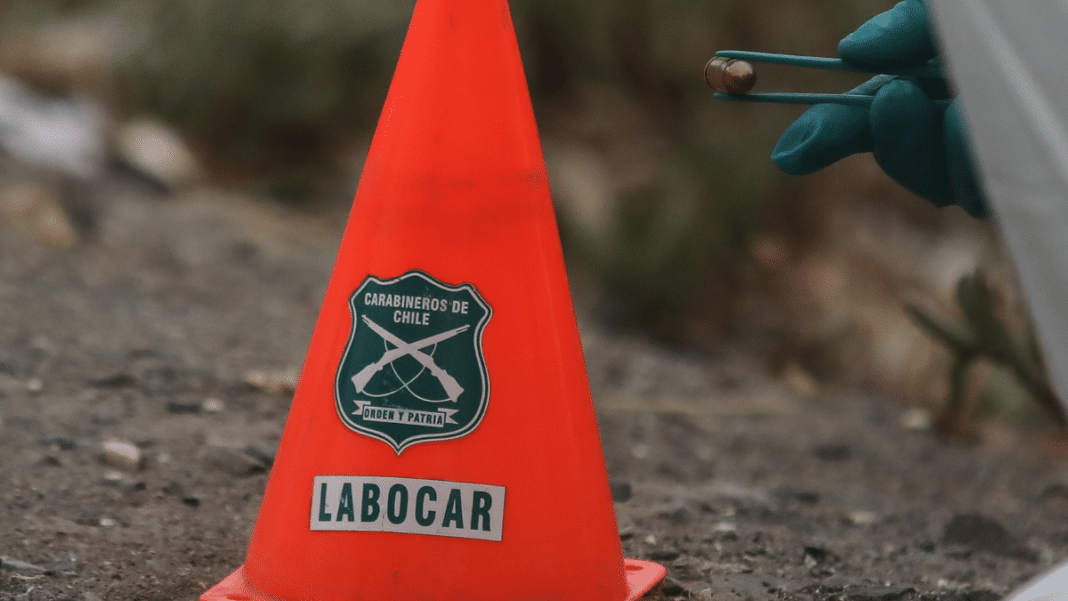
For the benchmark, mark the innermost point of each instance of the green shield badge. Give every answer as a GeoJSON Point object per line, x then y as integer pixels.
{"type": "Point", "coordinates": [413, 370]}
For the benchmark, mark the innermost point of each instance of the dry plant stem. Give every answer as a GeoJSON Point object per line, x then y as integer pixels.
{"type": "Point", "coordinates": [984, 335]}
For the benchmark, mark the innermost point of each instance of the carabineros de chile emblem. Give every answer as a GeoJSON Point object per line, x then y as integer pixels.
{"type": "Point", "coordinates": [413, 370]}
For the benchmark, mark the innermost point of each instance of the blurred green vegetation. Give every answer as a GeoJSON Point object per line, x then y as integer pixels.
{"type": "Point", "coordinates": [673, 217]}
{"type": "Point", "coordinates": [278, 94]}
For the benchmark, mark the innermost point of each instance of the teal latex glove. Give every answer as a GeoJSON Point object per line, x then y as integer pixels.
{"type": "Point", "coordinates": [921, 144]}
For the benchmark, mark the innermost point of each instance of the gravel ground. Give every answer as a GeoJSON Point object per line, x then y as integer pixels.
{"type": "Point", "coordinates": [147, 357]}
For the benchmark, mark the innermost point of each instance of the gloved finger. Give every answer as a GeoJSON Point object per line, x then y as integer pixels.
{"type": "Point", "coordinates": [908, 141]}
{"type": "Point", "coordinates": [822, 135]}
{"type": "Point", "coordinates": [826, 133]}
{"type": "Point", "coordinates": [960, 164]}
{"type": "Point", "coordinates": [900, 37]}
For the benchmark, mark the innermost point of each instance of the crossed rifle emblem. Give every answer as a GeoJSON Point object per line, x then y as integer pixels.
{"type": "Point", "coordinates": [414, 350]}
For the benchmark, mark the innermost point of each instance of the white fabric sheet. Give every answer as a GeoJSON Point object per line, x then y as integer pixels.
{"type": "Point", "coordinates": [1009, 62]}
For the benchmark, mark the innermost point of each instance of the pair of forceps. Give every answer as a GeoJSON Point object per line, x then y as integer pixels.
{"type": "Point", "coordinates": [731, 75]}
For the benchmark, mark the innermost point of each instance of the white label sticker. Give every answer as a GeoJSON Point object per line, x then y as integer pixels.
{"type": "Point", "coordinates": [429, 507]}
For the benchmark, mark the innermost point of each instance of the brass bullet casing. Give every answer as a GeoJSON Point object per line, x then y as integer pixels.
{"type": "Point", "coordinates": [730, 75]}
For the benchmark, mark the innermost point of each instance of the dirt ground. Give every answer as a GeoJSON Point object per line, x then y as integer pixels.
{"type": "Point", "coordinates": [146, 370]}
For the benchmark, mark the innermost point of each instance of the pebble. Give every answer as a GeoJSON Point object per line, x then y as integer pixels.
{"type": "Point", "coordinates": [814, 555]}
{"type": "Point", "coordinates": [113, 477]}
{"type": "Point", "coordinates": [790, 493]}
{"type": "Point", "coordinates": [671, 588]}
{"type": "Point", "coordinates": [67, 565]}
{"type": "Point", "coordinates": [234, 462]}
{"type": "Point", "coordinates": [38, 210]}
{"type": "Point", "coordinates": [262, 453]}
{"type": "Point", "coordinates": [622, 492]}
{"type": "Point", "coordinates": [664, 555]}
{"type": "Point", "coordinates": [19, 566]}
{"type": "Point", "coordinates": [833, 452]}
{"type": "Point", "coordinates": [118, 380]}
{"type": "Point", "coordinates": [875, 593]}
{"type": "Point", "coordinates": [184, 408]}
{"type": "Point", "coordinates": [213, 405]}
{"type": "Point", "coordinates": [972, 596]}
{"type": "Point", "coordinates": [122, 454]}
{"type": "Point", "coordinates": [725, 527]}
{"type": "Point", "coordinates": [273, 382]}
{"type": "Point", "coordinates": [917, 418]}
{"type": "Point", "coordinates": [980, 533]}
{"type": "Point", "coordinates": [157, 151]}
{"type": "Point", "coordinates": [62, 443]}
{"type": "Point", "coordinates": [1054, 491]}
{"type": "Point", "coordinates": [744, 587]}
{"type": "Point", "coordinates": [863, 518]}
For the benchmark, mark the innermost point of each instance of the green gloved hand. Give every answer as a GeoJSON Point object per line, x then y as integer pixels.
{"type": "Point", "coordinates": [920, 143]}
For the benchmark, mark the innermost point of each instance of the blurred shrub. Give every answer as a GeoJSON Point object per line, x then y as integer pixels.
{"type": "Point", "coordinates": [280, 92]}
{"type": "Point", "coordinates": [274, 89]}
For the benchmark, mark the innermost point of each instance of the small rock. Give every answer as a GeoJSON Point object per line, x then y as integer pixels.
{"type": "Point", "coordinates": [863, 518]}
{"type": "Point", "coordinates": [183, 408]}
{"type": "Point", "coordinates": [191, 501]}
{"type": "Point", "coordinates": [113, 477]}
{"type": "Point", "coordinates": [1054, 491]}
{"type": "Point", "coordinates": [981, 533]}
{"type": "Point", "coordinates": [972, 596]}
{"type": "Point", "coordinates": [213, 405]}
{"type": "Point", "coordinates": [61, 443]}
{"type": "Point", "coordinates": [622, 492]}
{"type": "Point", "coordinates": [625, 524]}
{"type": "Point", "coordinates": [664, 555]}
{"type": "Point", "coordinates": [262, 453]}
{"type": "Point", "coordinates": [875, 593]}
{"type": "Point", "coordinates": [68, 566]}
{"type": "Point", "coordinates": [671, 588]}
{"type": "Point", "coordinates": [814, 556]}
{"type": "Point", "coordinates": [234, 462]}
{"type": "Point", "coordinates": [725, 527]}
{"type": "Point", "coordinates": [103, 419]}
{"type": "Point", "coordinates": [122, 454]}
{"type": "Point", "coordinates": [38, 211]}
{"type": "Point", "coordinates": [119, 380]}
{"type": "Point", "coordinates": [833, 452]}
{"type": "Point", "coordinates": [917, 418]}
{"type": "Point", "coordinates": [743, 587]}
{"type": "Point", "coordinates": [789, 493]}
{"type": "Point", "coordinates": [156, 151]}
{"type": "Point", "coordinates": [799, 381]}
{"type": "Point", "coordinates": [273, 382]}
{"type": "Point", "coordinates": [19, 566]}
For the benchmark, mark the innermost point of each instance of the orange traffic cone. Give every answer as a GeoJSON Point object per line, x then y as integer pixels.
{"type": "Point", "coordinates": [442, 443]}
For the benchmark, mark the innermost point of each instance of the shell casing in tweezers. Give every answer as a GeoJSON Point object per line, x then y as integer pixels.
{"type": "Point", "coordinates": [930, 70]}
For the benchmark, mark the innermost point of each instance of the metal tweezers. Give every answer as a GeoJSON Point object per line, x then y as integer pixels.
{"type": "Point", "coordinates": [930, 70]}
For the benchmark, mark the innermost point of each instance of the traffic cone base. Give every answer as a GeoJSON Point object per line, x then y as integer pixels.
{"type": "Point", "coordinates": [442, 444]}
{"type": "Point", "coordinates": [641, 576]}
